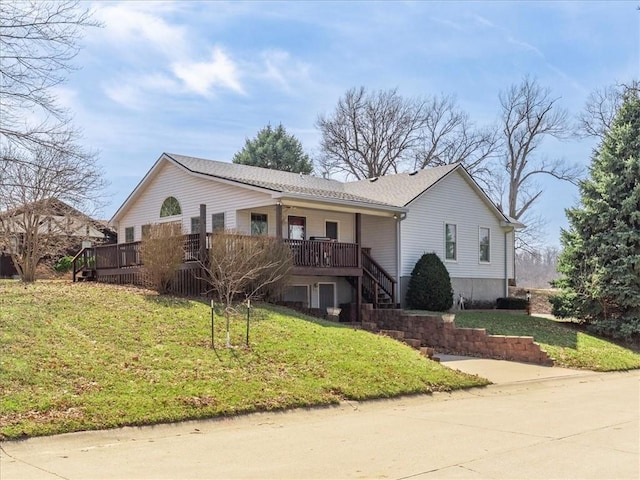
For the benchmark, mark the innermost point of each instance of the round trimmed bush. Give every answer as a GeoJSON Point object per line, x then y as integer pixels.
{"type": "Point", "coordinates": [430, 285]}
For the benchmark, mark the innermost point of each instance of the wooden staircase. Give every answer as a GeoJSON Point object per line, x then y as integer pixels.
{"type": "Point", "coordinates": [84, 266]}
{"type": "Point", "coordinates": [378, 286]}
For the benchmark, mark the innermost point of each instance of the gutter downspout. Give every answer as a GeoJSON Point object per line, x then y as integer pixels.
{"type": "Point", "coordinates": [506, 261]}
{"type": "Point", "coordinates": [399, 218]}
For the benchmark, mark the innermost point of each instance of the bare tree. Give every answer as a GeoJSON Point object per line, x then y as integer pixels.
{"type": "Point", "coordinates": [38, 41]}
{"type": "Point", "coordinates": [370, 135]}
{"type": "Point", "coordinates": [245, 267]}
{"type": "Point", "coordinates": [373, 134]}
{"type": "Point", "coordinates": [162, 253]}
{"type": "Point", "coordinates": [42, 195]}
{"type": "Point", "coordinates": [601, 108]}
{"type": "Point", "coordinates": [448, 136]}
{"type": "Point", "coordinates": [529, 116]}
{"type": "Point", "coordinates": [537, 268]}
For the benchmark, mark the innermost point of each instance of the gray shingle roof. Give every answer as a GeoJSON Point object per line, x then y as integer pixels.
{"type": "Point", "coordinates": [391, 190]}
{"type": "Point", "coordinates": [401, 188]}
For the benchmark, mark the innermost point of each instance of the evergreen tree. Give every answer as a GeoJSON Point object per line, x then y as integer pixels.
{"type": "Point", "coordinates": [275, 149]}
{"type": "Point", "coordinates": [600, 262]}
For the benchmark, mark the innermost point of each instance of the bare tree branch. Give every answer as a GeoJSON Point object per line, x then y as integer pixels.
{"type": "Point", "coordinates": [370, 135]}
{"type": "Point", "coordinates": [601, 108]}
{"type": "Point", "coordinates": [241, 266]}
{"type": "Point", "coordinates": [38, 41]}
{"type": "Point", "coordinates": [529, 116]}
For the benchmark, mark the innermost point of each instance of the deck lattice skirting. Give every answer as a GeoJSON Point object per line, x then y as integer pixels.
{"type": "Point", "coordinates": [434, 332]}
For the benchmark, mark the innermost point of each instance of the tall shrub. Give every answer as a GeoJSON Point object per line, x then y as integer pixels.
{"type": "Point", "coordinates": [430, 285]}
{"type": "Point", "coordinates": [161, 252]}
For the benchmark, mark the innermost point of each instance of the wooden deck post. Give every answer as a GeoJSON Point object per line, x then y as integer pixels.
{"type": "Point", "coordinates": [359, 278]}
{"type": "Point", "coordinates": [279, 219]}
{"type": "Point", "coordinates": [202, 234]}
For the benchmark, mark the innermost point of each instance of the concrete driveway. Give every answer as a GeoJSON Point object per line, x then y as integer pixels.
{"type": "Point", "coordinates": [581, 425]}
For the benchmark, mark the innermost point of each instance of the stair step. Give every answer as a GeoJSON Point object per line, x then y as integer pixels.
{"type": "Point", "coordinates": [413, 342]}
{"type": "Point", "coordinates": [397, 334]}
{"type": "Point", "coordinates": [428, 352]}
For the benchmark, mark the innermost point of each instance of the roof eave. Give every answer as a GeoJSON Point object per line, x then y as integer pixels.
{"type": "Point", "coordinates": [342, 202]}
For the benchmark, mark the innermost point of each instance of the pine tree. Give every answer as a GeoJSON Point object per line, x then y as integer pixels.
{"type": "Point", "coordinates": [275, 149]}
{"type": "Point", "coordinates": [600, 262]}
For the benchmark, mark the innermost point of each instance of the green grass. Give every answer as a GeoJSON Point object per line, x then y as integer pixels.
{"type": "Point", "coordinates": [87, 356]}
{"type": "Point", "coordinates": [568, 345]}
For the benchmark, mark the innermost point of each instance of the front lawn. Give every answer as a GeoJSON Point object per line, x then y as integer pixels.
{"type": "Point", "coordinates": [568, 345]}
{"type": "Point", "coordinates": [89, 356]}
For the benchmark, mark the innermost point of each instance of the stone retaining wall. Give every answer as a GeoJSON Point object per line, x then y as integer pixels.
{"type": "Point", "coordinates": [433, 331]}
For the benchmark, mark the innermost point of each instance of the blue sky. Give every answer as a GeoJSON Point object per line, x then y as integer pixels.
{"type": "Point", "coordinates": [198, 78]}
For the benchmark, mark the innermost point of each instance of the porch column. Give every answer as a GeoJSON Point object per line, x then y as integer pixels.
{"type": "Point", "coordinates": [359, 299]}
{"type": "Point", "coordinates": [279, 219]}
{"type": "Point", "coordinates": [359, 238]}
{"type": "Point", "coordinates": [202, 233]}
{"type": "Point", "coordinates": [359, 278]}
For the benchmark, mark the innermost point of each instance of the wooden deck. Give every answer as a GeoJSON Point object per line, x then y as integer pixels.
{"type": "Point", "coordinates": [121, 264]}
{"type": "Point", "coordinates": [310, 257]}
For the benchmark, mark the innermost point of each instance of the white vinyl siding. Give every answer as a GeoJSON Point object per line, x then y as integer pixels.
{"type": "Point", "coordinates": [453, 200]}
{"type": "Point", "coordinates": [379, 234]}
{"type": "Point", "coordinates": [190, 191]}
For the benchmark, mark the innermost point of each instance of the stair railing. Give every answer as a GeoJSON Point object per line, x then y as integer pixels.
{"type": "Point", "coordinates": [83, 261]}
{"type": "Point", "coordinates": [379, 277]}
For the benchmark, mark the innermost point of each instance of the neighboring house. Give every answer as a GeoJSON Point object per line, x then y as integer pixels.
{"type": "Point", "coordinates": [353, 242]}
{"type": "Point", "coordinates": [57, 220]}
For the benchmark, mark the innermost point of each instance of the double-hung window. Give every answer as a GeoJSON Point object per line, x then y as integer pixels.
{"type": "Point", "coordinates": [259, 224]}
{"type": "Point", "coordinates": [217, 222]}
{"type": "Point", "coordinates": [128, 234]}
{"type": "Point", "coordinates": [484, 242]}
{"type": "Point", "coordinates": [195, 224]}
{"type": "Point", "coordinates": [450, 241]}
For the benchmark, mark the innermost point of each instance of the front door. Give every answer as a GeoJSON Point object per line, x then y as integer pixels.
{"type": "Point", "coordinates": [327, 296]}
{"type": "Point", "coordinates": [297, 227]}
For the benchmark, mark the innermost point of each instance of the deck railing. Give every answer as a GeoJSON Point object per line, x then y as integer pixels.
{"type": "Point", "coordinates": [306, 253]}
{"type": "Point", "coordinates": [376, 278]}
{"type": "Point", "coordinates": [318, 253]}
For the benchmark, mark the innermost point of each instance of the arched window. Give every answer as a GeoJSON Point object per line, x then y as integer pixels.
{"type": "Point", "coordinates": [170, 207]}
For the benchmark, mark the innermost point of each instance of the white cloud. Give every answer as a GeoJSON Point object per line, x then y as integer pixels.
{"type": "Point", "coordinates": [137, 24]}
{"type": "Point", "coordinates": [282, 70]}
{"type": "Point", "coordinates": [202, 77]}
{"type": "Point", "coordinates": [129, 91]}
{"type": "Point", "coordinates": [483, 21]}
{"type": "Point", "coordinates": [524, 45]}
